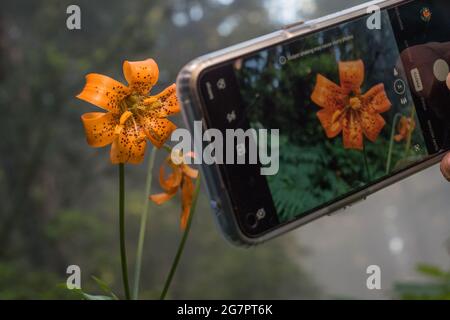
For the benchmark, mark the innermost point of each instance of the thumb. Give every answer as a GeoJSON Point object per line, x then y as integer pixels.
{"type": "Point", "coordinates": [445, 167]}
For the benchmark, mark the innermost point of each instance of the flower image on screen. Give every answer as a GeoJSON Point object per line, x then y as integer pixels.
{"type": "Point", "coordinates": [346, 117]}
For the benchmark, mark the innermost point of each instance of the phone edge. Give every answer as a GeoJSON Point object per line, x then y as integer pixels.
{"type": "Point", "coordinates": [187, 84]}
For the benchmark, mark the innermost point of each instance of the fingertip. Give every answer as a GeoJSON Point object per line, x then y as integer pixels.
{"type": "Point", "coordinates": [445, 167]}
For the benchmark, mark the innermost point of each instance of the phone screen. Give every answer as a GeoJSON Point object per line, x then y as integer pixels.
{"type": "Point", "coordinates": [354, 104]}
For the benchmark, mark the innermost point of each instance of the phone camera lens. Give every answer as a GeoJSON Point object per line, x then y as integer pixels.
{"type": "Point", "coordinates": [251, 220]}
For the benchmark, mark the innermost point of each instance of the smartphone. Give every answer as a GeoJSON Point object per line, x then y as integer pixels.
{"type": "Point", "coordinates": [358, 98]}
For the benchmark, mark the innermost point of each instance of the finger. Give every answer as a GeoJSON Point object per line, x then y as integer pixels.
{"type": "Point", "coordinates": [445, 167]}
{"type": "Point", "coordinates": [448, 81]}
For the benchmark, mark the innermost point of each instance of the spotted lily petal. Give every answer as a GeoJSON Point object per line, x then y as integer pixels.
{"type": "Point", "coordinates": [99, 127]}
{"type": "Point", "coordinates": [352, 132]}
{"type": "Point", "coordinates": [173, 180]}
{"type": "Point", "coordinates": [129, 145]}
{"type": "Point", "coordinates": [376, 99]}
{"type": "Point", "coordinates": [141, 75]}
{"type": "Point", "coordinates": [104, 92]}
{"type": "Point", "coordinates": [331, 121]}
{"type": "Point", "coordinates": [165, 103]}
{"type": "Point", "coordinates": [327, 94]}
{"type": "Point", "coordinates": [157, 130]}
{"type": "Point", "coordinates": [351, 74]}
{"type": "Point", "coordinates": [372, 124]}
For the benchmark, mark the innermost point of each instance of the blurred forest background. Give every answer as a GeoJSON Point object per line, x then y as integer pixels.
{"type": "Point", "coordinates": [59, 196]}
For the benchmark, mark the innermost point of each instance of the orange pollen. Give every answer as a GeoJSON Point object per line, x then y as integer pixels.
{"type": "Point", "coordinates": [125, 116]}
{"type": "Point", "coordinates": [118, 129]}
{"type": "Point", "coordinates": [355, 103]}
{"type": "Point", "coordinates": [336, 116]}
{"type": "Point", "coordinates": [152, 102]}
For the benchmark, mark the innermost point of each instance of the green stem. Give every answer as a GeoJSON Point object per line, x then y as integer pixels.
{"type": "Point", "coordinates": [123, 252]}
{"type": "Point", "coordinates": [408, 142]}
{"type": "Point", "coordinates": [391, 142]}
{"type": "Point", "coordinates": [366, 164]}
{"type": "Point", "coordinates": [182, 243]}
{"type": "Point", "coordinates": [144, 216]}
{"type": "Point", "coordinates": [167, 148]}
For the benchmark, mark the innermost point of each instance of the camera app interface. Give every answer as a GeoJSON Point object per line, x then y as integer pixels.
{"type": "Point", "coordinates": [353, 104]}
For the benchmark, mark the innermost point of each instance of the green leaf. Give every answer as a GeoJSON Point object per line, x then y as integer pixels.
{"type": "Point", "coordinates": [104, 287]}
{"type": "Point", "coordinates": [422, 291]}
{"type": "Point", "coordinates": [96, 297]}
{"type": "Point", "coordinates": [432, 271]}
{"type": "Point", "coordinates": [88, 296]}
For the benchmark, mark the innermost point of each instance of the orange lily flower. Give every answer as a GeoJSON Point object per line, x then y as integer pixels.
{"type": "Point", "coordinates": [405, 127]}
{"type": "Point", "coordinates": [180, 177]}
{"type": "Point", "coordinates": [131, 114]}
{"type": "Point", "coordinates": [345, 109]}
